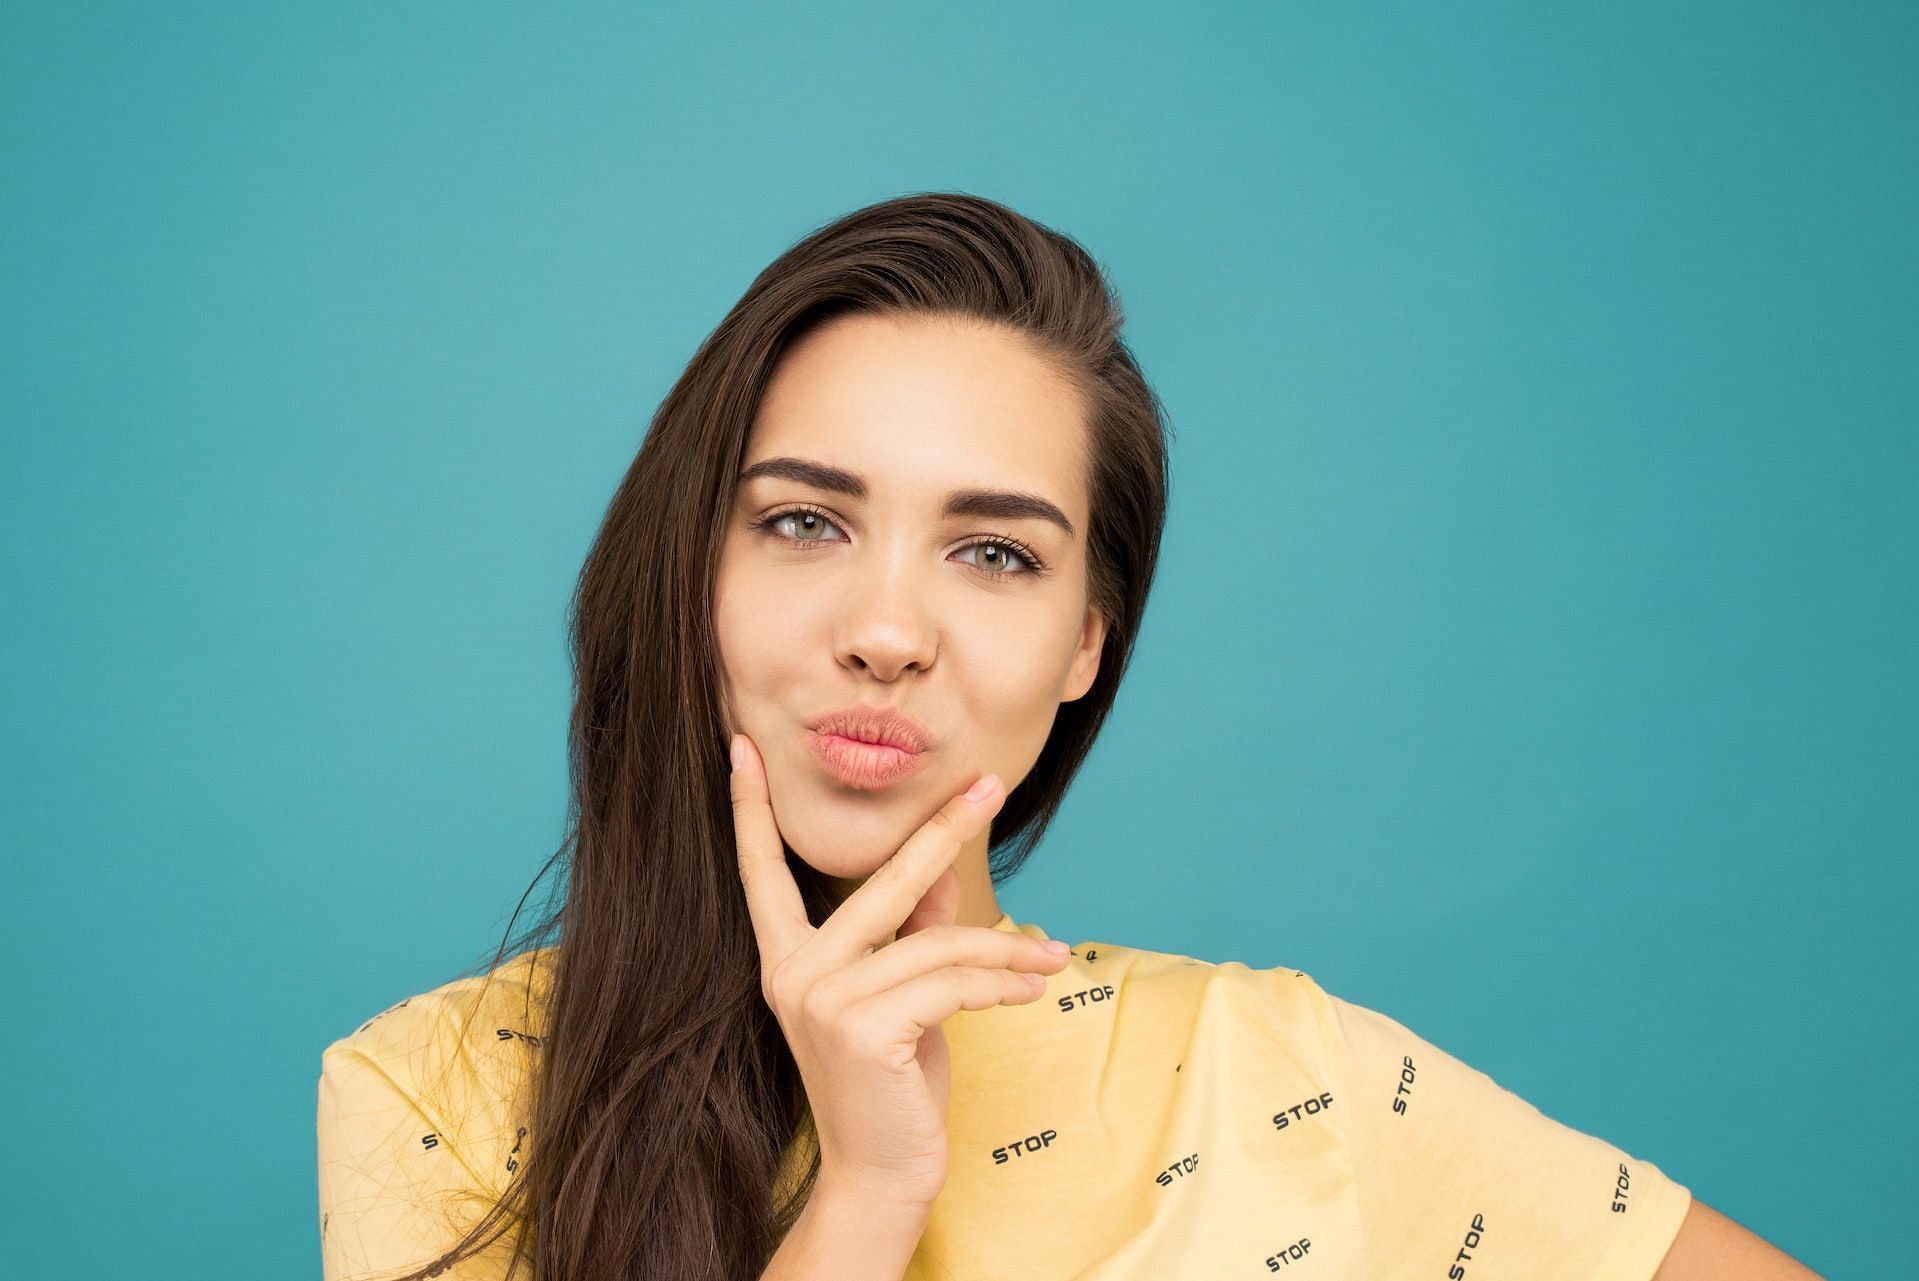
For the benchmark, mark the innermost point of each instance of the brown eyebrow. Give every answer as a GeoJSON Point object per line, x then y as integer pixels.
{"type": "Point", "coordinates": [1003, 504]}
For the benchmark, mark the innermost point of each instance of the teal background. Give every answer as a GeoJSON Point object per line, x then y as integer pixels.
{"type": "Point", "coordinates": [1532, 658]}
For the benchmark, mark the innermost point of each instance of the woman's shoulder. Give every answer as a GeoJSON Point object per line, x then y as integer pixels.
{"type": "Point", "coordinates": [1139, 964]}
{"type": "Point", "coordinates": [1230, 997]}
{"type": "Point", "coordinates": [477, 1026]}
{"type": "Point", "coordinates": [426, 1104]}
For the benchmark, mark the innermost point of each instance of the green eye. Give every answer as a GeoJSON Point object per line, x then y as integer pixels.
{"type": "Point", "coordinates": [1005, 549]}
{"type": "Point", "coordinates": [1032, 564]}
{"type": "Point", "coordinates": [801, 512]}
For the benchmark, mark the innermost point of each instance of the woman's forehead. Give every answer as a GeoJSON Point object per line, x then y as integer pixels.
{"type": "Point", "coordinates": [925, 408]}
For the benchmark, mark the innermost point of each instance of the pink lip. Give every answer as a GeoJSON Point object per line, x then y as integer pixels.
{"type": "Point", "coordinates": [867, 766]}
{"type": "Point", "coordinates": [869, 747]}
{"type": "Point", "coordinates": [887, 726]}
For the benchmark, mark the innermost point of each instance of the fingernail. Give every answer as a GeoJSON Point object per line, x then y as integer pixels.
{"type": "Point", "coordinates": [1055, 946]}
{"type": "Point", "coordinates": [980, 790]}
{"type": "Point", "coordinates": [733, 750]}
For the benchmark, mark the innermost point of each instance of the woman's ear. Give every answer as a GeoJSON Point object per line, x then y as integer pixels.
{"type": "Point", "coordinates": [1085, 666]}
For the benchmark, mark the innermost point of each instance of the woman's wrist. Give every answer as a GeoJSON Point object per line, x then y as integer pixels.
{"type": "Point", "coordinates": [847, 1233]}
{"type": "Point", "coordinates": [874, 1194]}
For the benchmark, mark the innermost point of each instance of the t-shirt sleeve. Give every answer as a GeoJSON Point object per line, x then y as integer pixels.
{"type": "Point", "coordinates": [1461, 1178]}
{"type": "Point", "coordinates": [396, 1190]}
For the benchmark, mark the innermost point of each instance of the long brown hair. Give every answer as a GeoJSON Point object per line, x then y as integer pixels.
{"type": "Point", "coordinates": [664, 1094]}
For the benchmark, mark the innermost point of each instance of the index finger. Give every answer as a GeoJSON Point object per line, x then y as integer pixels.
{"type": "Point", "coordinates": [772, 895]}
{"type": "Point", "coordinates": [873, 912]}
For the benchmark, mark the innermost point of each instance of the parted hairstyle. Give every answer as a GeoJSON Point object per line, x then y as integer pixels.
{"type": "Point", "coordinates": [663, 1093]}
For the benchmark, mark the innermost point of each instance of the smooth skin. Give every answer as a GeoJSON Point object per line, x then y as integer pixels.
{"type": "Point", "coordinates": [1712, 1247]}
{"type": "Point", "coordinates": [885, 600]}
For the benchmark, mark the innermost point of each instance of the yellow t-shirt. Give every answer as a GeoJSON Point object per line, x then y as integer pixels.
{"type": "Point", "coordinates": [1150, 1116]}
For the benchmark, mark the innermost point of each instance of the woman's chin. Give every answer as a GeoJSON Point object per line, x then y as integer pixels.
{"type": "Point", "coordinates": [844, 832]}
{"type": "Point", "coordinates": [849, 847]}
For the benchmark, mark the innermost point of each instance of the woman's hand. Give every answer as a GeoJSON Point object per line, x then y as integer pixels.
{"type": "Point", "coordinates": [863, 1015]}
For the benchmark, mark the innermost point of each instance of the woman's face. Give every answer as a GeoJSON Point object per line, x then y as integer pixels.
{"type": "Point", "coordinates": [886, 600]}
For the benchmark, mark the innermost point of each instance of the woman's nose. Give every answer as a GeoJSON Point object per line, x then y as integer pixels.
{"type": "Point", "coordinates": [886, 625]}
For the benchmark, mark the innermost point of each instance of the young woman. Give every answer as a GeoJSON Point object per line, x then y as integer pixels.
{"type": "Point", "coordinates": [851, 624]}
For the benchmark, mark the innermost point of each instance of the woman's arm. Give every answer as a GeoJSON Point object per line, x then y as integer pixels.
{"type": "Point", "coordinates": [1711, 1247]}
{"type": "Point", "coordinates": [845, 1237]}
